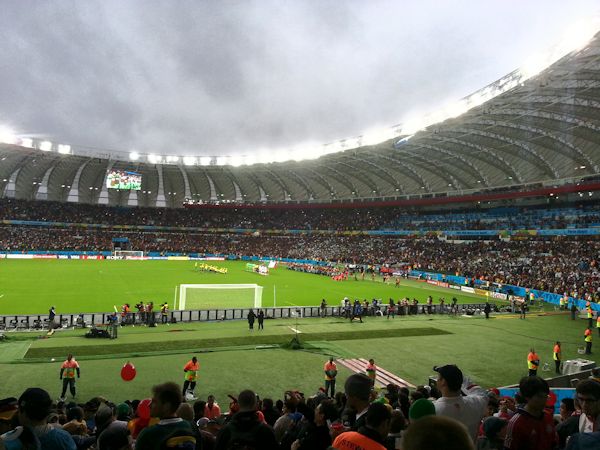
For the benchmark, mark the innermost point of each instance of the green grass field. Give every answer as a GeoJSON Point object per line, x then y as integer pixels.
{"type": "Point", "coordinates": [232, 358]}
{"type": "Point", "coordinates": [74, 286]}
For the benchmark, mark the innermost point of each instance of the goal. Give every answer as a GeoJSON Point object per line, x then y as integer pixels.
{"type": "Point", "coordinates": [128, 254]}
{"type": "Point", "coordinates": [209, 296]}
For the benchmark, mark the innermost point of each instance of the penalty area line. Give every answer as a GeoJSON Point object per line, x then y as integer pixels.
{"type": "Point", "coordinates": [295, 330]}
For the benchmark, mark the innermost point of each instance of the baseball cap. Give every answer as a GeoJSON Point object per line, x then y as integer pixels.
{"type": "Point", "coordinates": [35, 403]}
{"type": "Point", "coordinates": [451, 373]}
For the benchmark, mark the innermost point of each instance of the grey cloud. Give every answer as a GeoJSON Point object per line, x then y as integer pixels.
{"type": "Point", "coordinates": [233, 77]}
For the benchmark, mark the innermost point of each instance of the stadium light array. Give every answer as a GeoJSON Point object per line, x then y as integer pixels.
{"type": "Point", "coordinates": [7, 136]}
{"type": "Point", "coordinates": [172, 159]}
{"type": "Point", "coordinates": [27, 142]}
{"type": "Point", "coordinates": [45, 146]}
{"type": "Point", "coordinates": [64, 149]}
{"type": "Point", "coordinates": [190, 160]}
{"type": "Point", "coordinates": [154, 159]}
{"type": "Point", "coordinates": [134, 156]}
{"type": "Point", "coordinates": [205, 160]}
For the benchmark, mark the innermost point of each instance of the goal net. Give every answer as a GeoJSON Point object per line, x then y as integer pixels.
{"type": "Point", "coordinates": [128, 254]}
{"type": "Point", "coordinates": [208, 296]}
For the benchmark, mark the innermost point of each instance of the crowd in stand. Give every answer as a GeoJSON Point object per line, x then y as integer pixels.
{"type": "Point", "coordinates": [554, 266]}
{"type": "Point", "coordinates": [338, 219]}
{"type": "Point", "coordinates": [452, 414]}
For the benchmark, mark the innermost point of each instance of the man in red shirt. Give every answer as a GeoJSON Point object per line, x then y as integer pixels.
{"type": "Point", "coordinates": [532, 428]}
{"type": "Point", "coordinates": [67, 375]}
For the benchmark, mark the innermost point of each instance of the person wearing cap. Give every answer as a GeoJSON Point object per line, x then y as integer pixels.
{"type": "Point", "coordinates": [532, 427]}
{"type": "Point", "coordinates": [588, 396]}
{"type": "Point", "coordinates": [372, 435]}
{"type": "Point", "coordinates": [330, 370]}
{"type": "Point", "coordinates": [191, 374]}
{"type": "Point", "coordinates": [533, 362]}
{"type": "Point", "coordinates": [67, 375]}
{"type": "Point", "coordinates": [468, 409]}
{"type": "Point", "coordinates": [34, 406]}
{"type": "Point", "coordinates": [556, 355]}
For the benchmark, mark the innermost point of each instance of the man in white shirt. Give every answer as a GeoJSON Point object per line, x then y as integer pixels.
{"type": "Point", "coordinates": [468, 408]}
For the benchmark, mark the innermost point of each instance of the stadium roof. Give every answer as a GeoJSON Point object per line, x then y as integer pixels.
{"type": "Point", "coordinates": [543, 130]}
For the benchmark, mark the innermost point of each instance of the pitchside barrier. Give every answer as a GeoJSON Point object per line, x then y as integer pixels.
{"type": "Point", "coordinates": [38, 322]}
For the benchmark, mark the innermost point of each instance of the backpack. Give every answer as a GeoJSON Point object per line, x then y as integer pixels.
{"type": "Point", "coordinates": [180, 440]}
{"type": "Point", "coordinates": [243, 440]}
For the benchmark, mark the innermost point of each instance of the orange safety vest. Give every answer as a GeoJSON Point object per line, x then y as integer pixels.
{"type": "Point", "coordinates": [191, 370]}
{"type": "Point", "coordinates": [598, 321]}
{"type": "Point", "coordinates": [329, 366]}
{"type": "Point", "coordinates": [372, 371]}
{"type": "Point", "coordinates": [556, 352]}
{"type": "Point", "coordinates": [588, 335]}
{"type": "Point", "coordinates": [69, 368]}
{"type": "Point", "coordinates": [533, 361]}
{"type": "Point", "coordinates": [351, 440]}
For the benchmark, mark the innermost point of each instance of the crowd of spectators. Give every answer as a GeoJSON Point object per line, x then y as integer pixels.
{"type": "Point", "coordinates": [337, 219]}
{"type": "Point", "coordinates": [555, 266]}
{"type": "Point", "coordinates": [452, 414]}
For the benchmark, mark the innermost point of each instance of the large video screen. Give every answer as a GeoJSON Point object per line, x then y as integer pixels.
{"type": "Point", "coordinates": [121, 179]}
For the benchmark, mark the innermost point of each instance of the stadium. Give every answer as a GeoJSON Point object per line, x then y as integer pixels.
{"type": "Point", "coordinates": [468, 237]}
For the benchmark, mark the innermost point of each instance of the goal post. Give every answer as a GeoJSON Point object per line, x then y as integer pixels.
{"type": "Point", "coordinates": [128, 254]}
{"type": "Point", "coordinates": [209, 296]}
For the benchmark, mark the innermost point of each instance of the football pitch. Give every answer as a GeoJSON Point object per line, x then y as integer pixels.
{"type": "Point", "coordinates": [77, 286]}
{"type": "Point", "coordinates": [493, 352]}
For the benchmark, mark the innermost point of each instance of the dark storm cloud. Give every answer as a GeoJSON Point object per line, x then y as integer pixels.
{"type": "Point", "coordinates": [184, 77]}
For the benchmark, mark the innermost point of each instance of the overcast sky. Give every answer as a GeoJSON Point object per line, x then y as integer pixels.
{"type": "Point", "coordinates": [224, 77]}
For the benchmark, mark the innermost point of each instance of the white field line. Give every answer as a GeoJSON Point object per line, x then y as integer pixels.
{"type": "Point", "coordinates": [295, 331]}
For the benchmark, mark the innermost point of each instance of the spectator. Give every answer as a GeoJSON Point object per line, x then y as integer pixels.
{"type": "Point", "coordinates": [435, 432]}
{"type": "Point", "coordinates": [245, 428]}
{"type": "Point", "coordinates": [166, 399]}
{"type": "Point", "coordinates": [34, 407]}
{"type": "Point", "coordinates": [212, 410]}
{"type": "Point", "coordinates": [370, 436]}
{"type": "Point", "coordinates": [358, 394]}
{"type": "Point", "coordinates": [569, 424]}
{"type": "Point", "coordinates": [588, 396]}
{"type": "Point", "coordinates": [532, 428]}
{"type": "Point", "coordinates": [494, 430]}
{"type": "Point", "coordinates": [468, 409]}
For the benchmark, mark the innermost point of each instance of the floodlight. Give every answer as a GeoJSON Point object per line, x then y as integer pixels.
{"type": "Point", "coordinates": [7, 136]}
{"type": "Point", "coordinates": [205, 160]}
{"type": "Point", "coordinates": [172, 159]}
{"type": "Point", "coordinates": [236, 160]}
{"type": "Point", "coordinates": [45, 146]}
{"type": "Point", "coordinates": [134, 156]}
{"type": "Point", "coordinates": [27, 142]}
{"type": "Point", "coordinates": [189, 160]}
{"type": "Point", "coordinates": [64, 149]}
{"type": "Point", "coordinates": [222, 160]}
{"type": "Point", "coordinates": [154, 159]}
